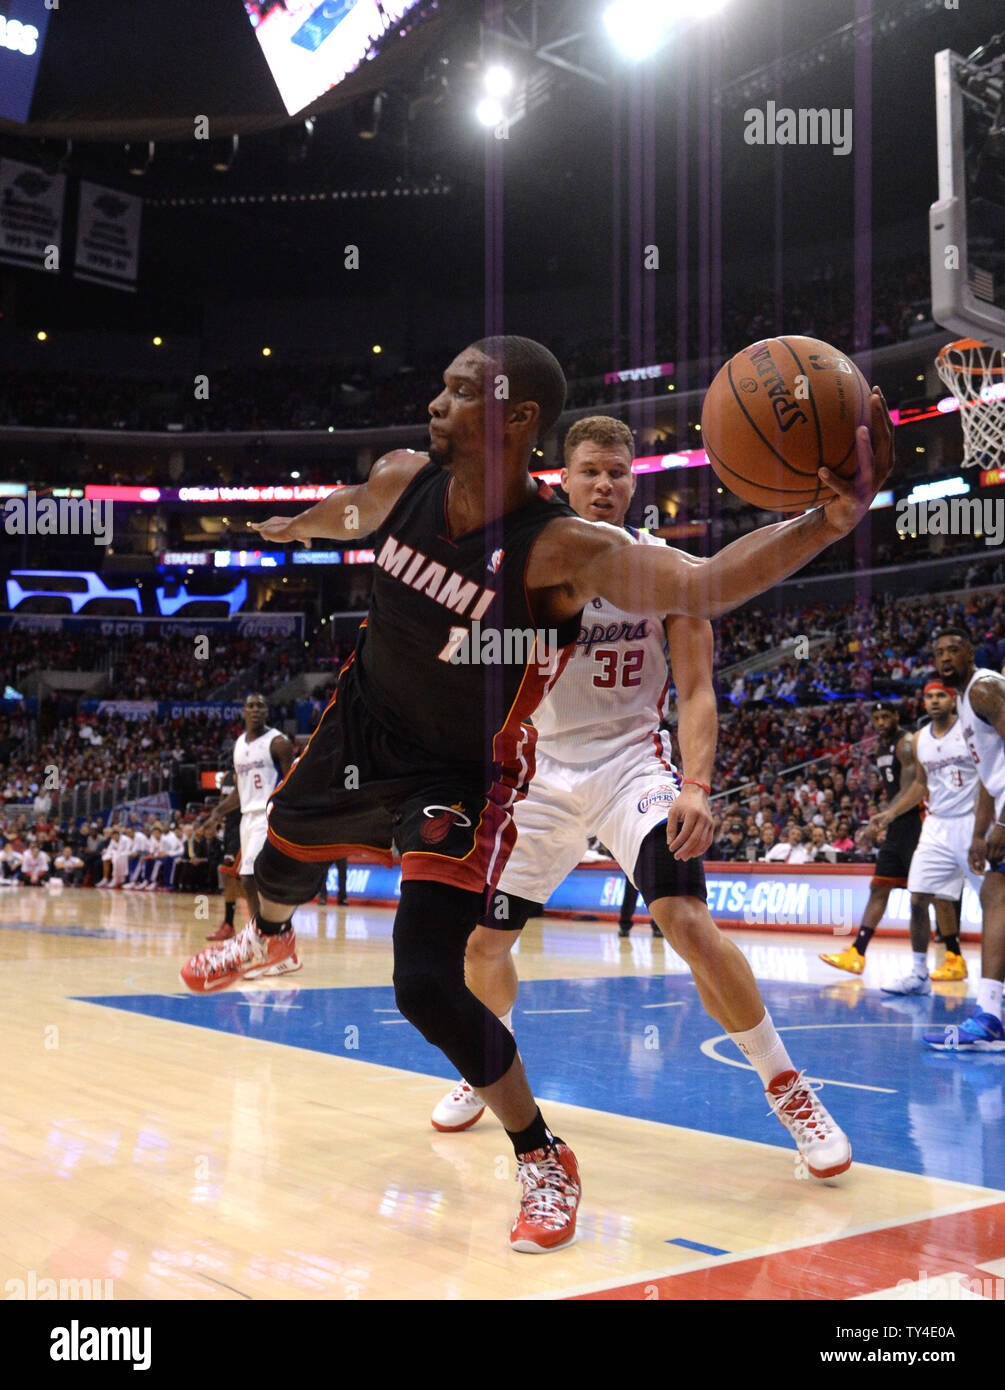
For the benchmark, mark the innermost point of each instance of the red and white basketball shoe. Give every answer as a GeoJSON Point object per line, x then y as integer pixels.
{"type": "Point", "coordinates": [289, 966]}
{"type": "Point", "coordinates": [248, 953]}
{"type": "Point", "coordinates": [224, 932]}
{"type": "Point", "coordinates": [461, 1109]}
{"type": "Point", "coordinates": [551, 1193]}
{"type": "Point", "coordinates": [824, 1148]}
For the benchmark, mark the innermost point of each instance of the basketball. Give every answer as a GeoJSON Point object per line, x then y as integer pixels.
{"type": "Point", "coordinates": [777, 412]}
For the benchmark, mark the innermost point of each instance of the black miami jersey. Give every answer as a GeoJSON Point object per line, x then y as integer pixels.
{"type": "Point", "coordinates": [888, 770]}
{"type": "Point", "coordinates": [893, 861]}
{"type": "Point", "coordinates": [425, 742]}
{"type": "Point", "coordinates": [450, 655]}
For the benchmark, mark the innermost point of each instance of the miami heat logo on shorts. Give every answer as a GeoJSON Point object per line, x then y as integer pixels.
{"type": "Point", "coordinates": [440, 820]}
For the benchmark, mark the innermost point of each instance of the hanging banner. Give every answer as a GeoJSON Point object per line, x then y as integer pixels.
{"type": "Point", "coordinates": [108, 236]}
{"type": "Point", "coordinates": [31, 215]}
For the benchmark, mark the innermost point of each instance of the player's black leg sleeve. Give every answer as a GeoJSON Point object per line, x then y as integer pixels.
{"type": "Point", "coordinates": [286, 880]}
{"type": "Point", "coordinates": [660, 875]}
{"type": "Point", "coordinates": [431, 929]}
{"type": "Point", "coordinates": [507, 912]}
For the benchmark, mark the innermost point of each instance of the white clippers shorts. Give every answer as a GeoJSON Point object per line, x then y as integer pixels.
{"type": "Point", "coordinates": [939, 865]}
{"type": "Point", "coordinates": [619, 801]}
{"type": "Point", "coordinates": [254, 827]}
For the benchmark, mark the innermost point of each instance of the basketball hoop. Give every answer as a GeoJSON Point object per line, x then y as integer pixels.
{"type": "Point", "coordinates": [975, 373]}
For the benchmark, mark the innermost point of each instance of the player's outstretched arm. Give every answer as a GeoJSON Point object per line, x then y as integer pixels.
{"type": "Point", "coordinates": [644, 579]}
{"type": "Point", "coordinates": [351, 512]}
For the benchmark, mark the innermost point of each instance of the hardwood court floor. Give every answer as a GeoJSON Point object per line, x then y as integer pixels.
{"type": "Point", "coordinates": [275, 1142]}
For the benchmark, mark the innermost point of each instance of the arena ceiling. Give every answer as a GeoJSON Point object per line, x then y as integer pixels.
{"type": "Point", "coordinates": [137, 70]}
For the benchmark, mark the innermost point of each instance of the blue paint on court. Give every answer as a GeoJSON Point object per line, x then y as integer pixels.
{"type": "Point", "coordinates": [95, 933]}
{"type": "Point", "coordinates": [612, 1044]}
{"type": "Point", "coordinates": [696, 1245]}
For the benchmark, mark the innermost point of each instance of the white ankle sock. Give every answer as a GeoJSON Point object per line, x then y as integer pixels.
{"type": "Point", "coordinates": [764, 1050]}
{"type": "Point", "coordinates": [920, 964]}
{"type": "Point", "coordinates": [989, 997]}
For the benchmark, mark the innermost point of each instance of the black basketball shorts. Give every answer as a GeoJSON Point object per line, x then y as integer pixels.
{"type": "Point", "coordinates": [893, 863]}
{"type": "Point", "coordinates": [359, 787]}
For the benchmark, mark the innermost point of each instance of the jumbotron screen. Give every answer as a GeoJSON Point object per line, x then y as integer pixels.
{"type": "Point", "coordinates": [311, 47]}
{"type": "Point", "coordinates": [22, 33]}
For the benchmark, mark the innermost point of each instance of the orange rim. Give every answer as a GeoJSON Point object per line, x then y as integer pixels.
{"type": "Point", "coordinates": [962, 368]}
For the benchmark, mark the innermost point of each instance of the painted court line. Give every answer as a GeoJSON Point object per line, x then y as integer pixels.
{"type": "Point", "coordinates": [675, 1004]}
{"type": "Point", "coordinates": [765, 1251]}
{"type": "Point", "coordinates": [894, 1256]}
{"type": "Point", "coordinates": [708, 1047]}
{"type": "Point", "coordinates": [555, 1011]}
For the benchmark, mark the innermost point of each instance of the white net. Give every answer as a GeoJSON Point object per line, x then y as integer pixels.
{"type": "Point", "coordinates": [975, 373]}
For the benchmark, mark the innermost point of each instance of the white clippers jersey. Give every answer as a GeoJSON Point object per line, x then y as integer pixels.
{"type": "Point", "coordinates": [612, 692]}
{"type": "Point", "coordinates": [256, 773]}
{"type": "Point", "coordinates": [950, 771]}
{"type": "Point", "coordinates": [985, 743]}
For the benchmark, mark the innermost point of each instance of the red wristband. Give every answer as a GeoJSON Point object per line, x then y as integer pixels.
{"type": "Point", "coordinates": [690, 781]}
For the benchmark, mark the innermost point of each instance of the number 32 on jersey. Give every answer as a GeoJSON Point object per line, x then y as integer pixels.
{"type": "Point", "coordinates": [631, 667]}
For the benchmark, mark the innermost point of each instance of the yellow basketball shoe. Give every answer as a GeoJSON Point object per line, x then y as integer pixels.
{"type": "Point", "coordinates": [955, 968]}
{"type": "Point", "coordinates": [849, 959]}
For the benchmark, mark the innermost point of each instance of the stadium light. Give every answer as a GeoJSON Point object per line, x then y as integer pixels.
{"type": "Point", "coordinates": [158, 341]}
{"type": "Point", "coordinates": [639, 27]}
{"type": "Point", "coordinates": [41, 335]}
{"type": "Point", "coordinates": [498, 81]}
{"type": "Point", "coordinates": [489, 111]}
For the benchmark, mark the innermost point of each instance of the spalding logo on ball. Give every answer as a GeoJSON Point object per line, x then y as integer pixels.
{"type": "Point", "coordinates": [776, 413]}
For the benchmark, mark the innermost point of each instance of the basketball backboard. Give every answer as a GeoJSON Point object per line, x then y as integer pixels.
{"type": "Point", "coordinates": [967, 224]}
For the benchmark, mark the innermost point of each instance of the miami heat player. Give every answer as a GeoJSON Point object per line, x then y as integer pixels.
{"type": "Point", "coordinates": [896, 768]}
{"type": "Point", "coordinates": [604, 766]}
{"type": "Point", "coordinates": [262, 757]}
{"type": "Point", "coordinates": [465, 535]}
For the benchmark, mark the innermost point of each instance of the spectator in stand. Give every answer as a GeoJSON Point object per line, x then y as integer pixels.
{"type": "Point", "coordinates": [10, 862]}
{"type": "Point", "coordinates": [91, 851]}
{"type": "Point", "coordinates": [842, 840]}
{"type": "Point", "coordinates": [68, 866]}
{"type": "Point", "coordinates": [820, 851]}
{"type": "Point", "coordinates": [733, 848]}
{"type": "Point", "coordinates": [192, 867]}
{"type": "Point", "coordinates": [791, 850]}
{"type": "Point", "coordinates": [34, 867]}
{"type": "Point", "coordinates": [767, 839]}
